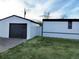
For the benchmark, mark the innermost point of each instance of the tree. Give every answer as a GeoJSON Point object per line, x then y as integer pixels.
{"type": "Point", "coordinates": [46, 15]}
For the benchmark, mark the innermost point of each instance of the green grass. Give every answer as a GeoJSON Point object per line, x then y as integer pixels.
{"type": "Point", "coordinates": [44, 48]}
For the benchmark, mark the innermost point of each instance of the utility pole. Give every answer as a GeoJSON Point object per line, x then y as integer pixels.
{"type": "Point", "coordinates": [24, 12]}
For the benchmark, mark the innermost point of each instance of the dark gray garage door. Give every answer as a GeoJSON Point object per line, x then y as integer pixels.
{"type": "Point", "coordinates": [17, 30]}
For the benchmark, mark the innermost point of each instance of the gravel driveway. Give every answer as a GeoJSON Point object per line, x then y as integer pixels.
{"type": "Point", "coordinates": [6, 43]}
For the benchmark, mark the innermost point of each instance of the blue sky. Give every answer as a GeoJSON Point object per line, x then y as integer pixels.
{"type": "Point", "coordinates": [36, 8]}
{"type": "Point", "coordinates": [63, 7]}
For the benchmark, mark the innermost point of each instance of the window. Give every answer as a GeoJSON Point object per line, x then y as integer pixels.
{"type": "Point", "coordinates": [69, 24]}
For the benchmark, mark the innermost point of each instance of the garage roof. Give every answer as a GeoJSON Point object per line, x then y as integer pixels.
{"type": "Point", "coordinates": [18, 17]}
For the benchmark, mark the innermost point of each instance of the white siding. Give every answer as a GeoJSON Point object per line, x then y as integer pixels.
{"type": "Point", "coordinates": [35, 30]}
{"type": "Point", "coordinates": [4, 27]}
{"type": "Point", "coordinates": [61, 35]}
{"type": "Point", "coordinates": [61, 27]}
{"type": "Point", "coordinates": [39, 30]}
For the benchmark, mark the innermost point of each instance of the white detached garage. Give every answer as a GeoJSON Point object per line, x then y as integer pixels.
{"type": "Point", "coordinates": [61, 28]}
{"type": "Point", "coordinates": [18, 27]}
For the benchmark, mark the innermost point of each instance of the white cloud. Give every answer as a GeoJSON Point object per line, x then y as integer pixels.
{"type": "Point", "coordinates": [56, 15]}
{"type": "Point", "coordinates": [74, 14]}
{"type": "Point", "coordinates": [11, 7]}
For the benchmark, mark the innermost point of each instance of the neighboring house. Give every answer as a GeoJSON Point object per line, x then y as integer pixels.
{"type": "Point", "coordinates": [61, 28]}
{"type": "Point", "coordinates": [19, 27]}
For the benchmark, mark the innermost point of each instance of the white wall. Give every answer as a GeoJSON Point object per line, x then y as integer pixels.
{"type": "Point", "coordinates": [35, 30]}
{"type": "Point", "coordinates": [39, 30]}
{"type": "Point", "coordinates": [61, 35]}
{"type": "Point", "coordinates": [4, 27]}
{"type": "Point", "coordinates": [61, 27]}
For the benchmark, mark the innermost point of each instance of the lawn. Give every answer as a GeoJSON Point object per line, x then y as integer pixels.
{"type": "Point", "coordinates": [44, 48]}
